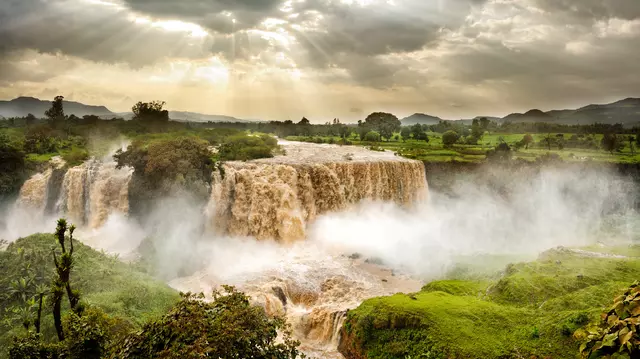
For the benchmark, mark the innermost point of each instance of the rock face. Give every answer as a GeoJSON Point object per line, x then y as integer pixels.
{"type": "Point", "coordinates": [276, 198]}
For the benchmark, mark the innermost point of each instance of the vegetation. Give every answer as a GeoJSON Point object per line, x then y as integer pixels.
{"type": "Point", "coordinates": [618, 333]}
{"type": "Point", "coordinates": [532, 310]}
{"type": "Point", "coordinates": [121, 312]}
{"type": "Point", "coordinates": [227, 327]}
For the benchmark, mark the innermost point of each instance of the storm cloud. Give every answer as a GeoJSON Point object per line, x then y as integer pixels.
{"type": "Point", "coordinates": [477, 54]}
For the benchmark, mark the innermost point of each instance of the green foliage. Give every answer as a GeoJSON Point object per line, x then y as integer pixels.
{"type": "Point", "coordinates": [532, 310]}
{"type": "Point", "coordinates": [128, 296]}
{"type": "Point", "coordinates": [612, 142]}
{"type": "Point", "coordinates": [245, 147]}
{"type": "Point", "coordinates": [76, 156]}
{"type": "Point", "coordinates": [162, 164]}
{"type": "Point", "coordinates": [12, 162]}
{"type": "Point", "coordinates": [384, 123]}
{"type": "Point", "coordinates": [150, 112]}
{"type": "Point", "coordinates": [450, 137]}
{"type": "Point", "coordinates": [372, 136]}
{"type": "Point", "coordinates": [227, 327]}
{"type": "Point", "coordinates": [56, 112]}
{"type": "Point", "coordinates": [617, 336]}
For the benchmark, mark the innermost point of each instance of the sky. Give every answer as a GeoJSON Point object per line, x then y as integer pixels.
{"type": "Point", "coordinates": [322, 59]}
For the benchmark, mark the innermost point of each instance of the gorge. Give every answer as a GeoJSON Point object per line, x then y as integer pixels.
{"type": "Point", "coordinates": [311, 234]}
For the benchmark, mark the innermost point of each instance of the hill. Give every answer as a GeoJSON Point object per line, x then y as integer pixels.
{"type": "Point", "coordinates": [626, 112]}
{"type": "Point", "coordinates": [420, 118]}
{"type": "Point", "coordinates": [118, 288]}
{"type": "Point", "coordinates": [22, 106]}
{"type": "Point", "coordinates": [529, 310]}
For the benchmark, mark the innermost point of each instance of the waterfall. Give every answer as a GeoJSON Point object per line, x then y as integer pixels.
{"type": "Point", "coordinates": [86, 194]}
{"type": "Point", "coordinates": [278, 200]}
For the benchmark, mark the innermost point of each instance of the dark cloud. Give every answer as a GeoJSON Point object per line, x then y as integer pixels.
{"type": "Point", "coordinates": [98, 33]}
{"type": "Point", "coordinates": [211, 14]}
{"type": "Point", "coordinates": [593, 9]}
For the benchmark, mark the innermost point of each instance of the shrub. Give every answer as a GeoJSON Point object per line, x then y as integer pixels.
{"type": "Point", "coordinates": [450, 137]}
{"type": "Point", "coordinates": [227, 327]}
{"type": "Point", "coordinates": [372, 136]}
{"type": "Point", "coordinates": [75, 157]}
{"type": "Point", "coordinates": [617, 333]}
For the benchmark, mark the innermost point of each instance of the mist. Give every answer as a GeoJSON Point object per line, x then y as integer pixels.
{"type": "Point", "coordinates": [515, 215]}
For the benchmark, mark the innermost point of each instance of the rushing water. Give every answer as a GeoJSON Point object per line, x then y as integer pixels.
{"type": "Point", "coordinates": [311, 234]}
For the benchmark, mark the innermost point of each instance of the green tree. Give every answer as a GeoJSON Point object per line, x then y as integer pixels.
{"type": "Point", "coordinates": [405, 133]}
{"type": "Point", "coordinates": [12, 166]}
{"type": "Point", "coordinates": [477, 131]}
{"type": "Point", "coordinates": [611, 142]}
{"type": "Point", "coordinates": [30, 119]}
{"type": "Point", "coordinates": [484, 124]}
{"type": "Point", "coordinates": [372, 136]}
{"type": "Point", "coordinates": [61, 281]}
{"type": "Point", "coordinates": [418, 133]}
{"type": "Point", "coordinates": [228, 327]}
{"type": "Point", "coordinates": [384, 123]}
{"type": "Point", "coordinates": [150, 111]}
{"type": "Point", "coordinates": [56, 112]}
{"type": "Point", "coordinates": [450, 137]}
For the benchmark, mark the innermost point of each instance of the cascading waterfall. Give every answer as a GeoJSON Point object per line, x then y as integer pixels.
{"type": "Point", "coordinates": [268, 199]}
{"type": "Point", "coordinates": [86, 194]}
{"type": "Point", "coordinates": [276, 198]}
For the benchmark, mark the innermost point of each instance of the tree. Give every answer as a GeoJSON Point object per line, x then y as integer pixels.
{"type": "Point", "coordinates": [632, 147]}
{"type": "Point", "coordinates": [476, 130]}
{"type": "Point", "coordinates": [526, 141]}
{"type": "Point", "coordinates": [30, 119]}
{"type": "Point", "coordinates": [611, 142]}
{"type": "Point", "coordinates": [450, 137]}
{"type": "Point", "coordinates": [61, 282]}
{"type": "Point", "coordinates": [227, 327]}
{"type": "Point", "coordinates": [150, 111]}
{"type": "Point", "coordinates": [372, 136]}
{"type": "Point", "coordinates": [304, 122]}
{"type": "Point", "coordinates": [405, 133]}
{"type": "Point", "coordinates": [418, 133]}
{"type": "Point", "coordinates": [56, 112]}
{"type": "Point", "coordinates": [484, 123]}
{"type": "Point", "coordinates": [12, 165]}
{"type": "Point", "coordinates": [385, 123]}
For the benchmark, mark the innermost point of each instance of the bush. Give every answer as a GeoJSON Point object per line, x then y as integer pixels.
{"type": "Point", "coordinates": [617, 333]}
{"type": "Point", "coordinates": [372, 136]}
{"type": "Point", "coordinates": [76, 156]}
{"type": "Point", "coordinates": [450, 137]}
{"type": "Point", "coordinates": [227, 327]}
{"type": "Point", "coordinates": [244, 148]}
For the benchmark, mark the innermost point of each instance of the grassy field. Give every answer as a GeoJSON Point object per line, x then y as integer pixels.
{"type": "Point", "coordinates": [531, 310]}
{"type": "Point", "coordinates": [435, 151]}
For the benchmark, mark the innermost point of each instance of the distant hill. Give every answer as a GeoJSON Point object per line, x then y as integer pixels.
{"type": "Point", "coordinates": [626, 112]}
{"type": "Point", "coordinates": [199, 117]}
{"type": "Point", "coordinates": [420, 118]}
{"type": "Point", "coordinates": [22, 106]}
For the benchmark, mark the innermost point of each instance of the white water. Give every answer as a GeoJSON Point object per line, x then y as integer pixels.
{"type": "Point", "coordinates": [315, 276]}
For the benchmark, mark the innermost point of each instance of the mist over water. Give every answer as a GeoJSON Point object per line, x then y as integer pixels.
{"type": "Point", "coordinates": [357, 251]}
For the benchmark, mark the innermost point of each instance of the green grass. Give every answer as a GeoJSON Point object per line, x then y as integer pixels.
{"type": "Point", "coordinates": [532, 309]}
{"type": "Point", "coordinates": [120, 289]}
{"type": "Point", "coordinates": [435, 151]}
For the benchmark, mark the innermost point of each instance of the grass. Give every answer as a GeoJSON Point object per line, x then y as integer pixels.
{"type": "Point", "coordinates": [531, 310]}
{"type": "Point", "coordinates": [435, 151]}
{"type": "Point", "coordinates": [120, 289]}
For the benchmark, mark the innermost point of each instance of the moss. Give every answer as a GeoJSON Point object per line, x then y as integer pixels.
{"type": "Point", "coordinates": [532, 310]}
{"type": "Point", "coordinates": [118, 288]}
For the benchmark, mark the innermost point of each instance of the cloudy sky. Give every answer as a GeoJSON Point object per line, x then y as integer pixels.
{"type": "Point", "coordinates": [284, 59]}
